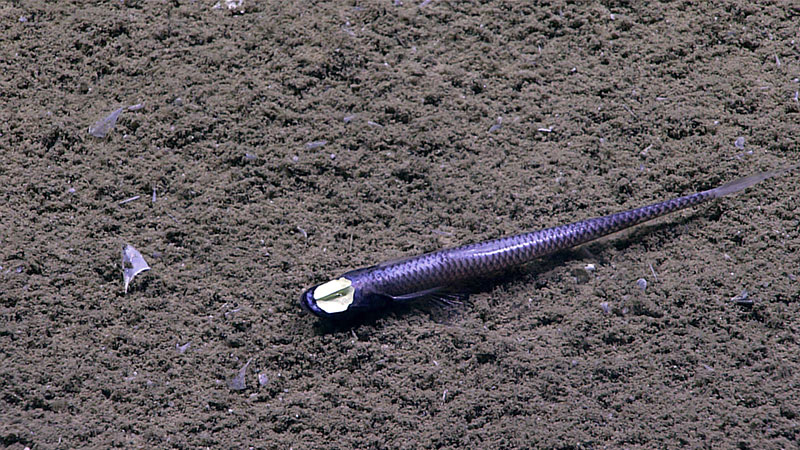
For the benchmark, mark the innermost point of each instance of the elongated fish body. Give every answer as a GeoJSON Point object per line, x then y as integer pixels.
{"type": "Point", "coordinates": [379, 286]}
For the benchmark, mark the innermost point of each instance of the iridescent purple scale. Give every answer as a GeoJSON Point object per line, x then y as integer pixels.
{"type": "Point", "coordinates": [452, 267]}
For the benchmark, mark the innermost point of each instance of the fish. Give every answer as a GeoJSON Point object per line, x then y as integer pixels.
{"type": "Point", "coordinates": [441, 273]}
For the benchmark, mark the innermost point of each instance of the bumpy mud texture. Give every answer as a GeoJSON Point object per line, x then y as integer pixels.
{"type": "Point", "coordinates": [445, 123]}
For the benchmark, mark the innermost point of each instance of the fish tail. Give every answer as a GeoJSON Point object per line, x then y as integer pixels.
{"type": "Point", "coordinates": [741, 184]}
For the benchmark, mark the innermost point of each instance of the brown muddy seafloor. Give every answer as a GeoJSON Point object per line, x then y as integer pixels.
{"type": "Point", "coordinates": [604, 106]}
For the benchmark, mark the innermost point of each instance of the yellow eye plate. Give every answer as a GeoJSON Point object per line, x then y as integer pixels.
{"type": "Point", "coordinates": [334, 296]}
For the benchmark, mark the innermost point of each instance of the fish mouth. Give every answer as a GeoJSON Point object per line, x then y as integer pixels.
{"type": "Point", "coordinates": [309, 304]}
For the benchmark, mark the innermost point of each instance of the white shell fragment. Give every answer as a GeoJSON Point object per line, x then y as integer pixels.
{"type": "Point", "coordinates": [132, 264]}
{"type": "Point", "coordinates": [103, 126]}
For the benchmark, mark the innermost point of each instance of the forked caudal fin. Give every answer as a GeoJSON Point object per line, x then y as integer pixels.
{"type": "Point", "coordinates": [744, 183]}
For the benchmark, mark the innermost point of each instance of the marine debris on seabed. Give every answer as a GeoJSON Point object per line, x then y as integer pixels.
{"type": "Point", "coordinates": [655, 277]}
{"type": "Point", "coordinates": [239, 382]}
{"type": "Point", "coordinates": [497, 125]}
{"type": "Point", "coordinates": [230, 5]}
{"type": "Point", "coordinates": [182, 348]}
{"type": "Point", "coordinates": [132, 264]}
{"type": "Point", "coordinates": [131, 199]}
{"type": "Point", "coordinates": [103, 126]}
{"type": "Point", "coordinates": [743, 298]}
{"type": "Point", "coordinates": [316, 144]}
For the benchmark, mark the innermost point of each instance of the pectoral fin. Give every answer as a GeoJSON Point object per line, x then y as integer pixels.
{"type": "Point", "coordinates": [438, 294]}
{"type": "Point", "coordinates": [417, 295]}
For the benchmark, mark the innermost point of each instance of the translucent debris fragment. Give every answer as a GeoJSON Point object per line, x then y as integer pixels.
{"type": "Point", "coordinates": [739, 143]}
{"type": "Point", "coordinates": [136, 107]}
{"type": "Point", "coordinates": [581, 275]}
{"type": "Point", "coordinates": [103, 126]}
{"type": "Point", "coordinates": [263, 379]}
{"type": "Point", "coordinates": [642, 283]}
{"type": "Point", "coordinates": [131, 199]}
{"type": "Point", "coordinates": [743, 298]}
{"type": "Point", "coordinates": [316, 144]}
{"type": "Point", "coordinates": [497, 125]}
{"type": "Point", "coordinates": [231, 5]}
{"type": "Point", "coordinates": [238, 383]}
{"type": "Point", "coordinates": [132, 264]}
{"type": "Point", "coordinates": [182, 348]}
